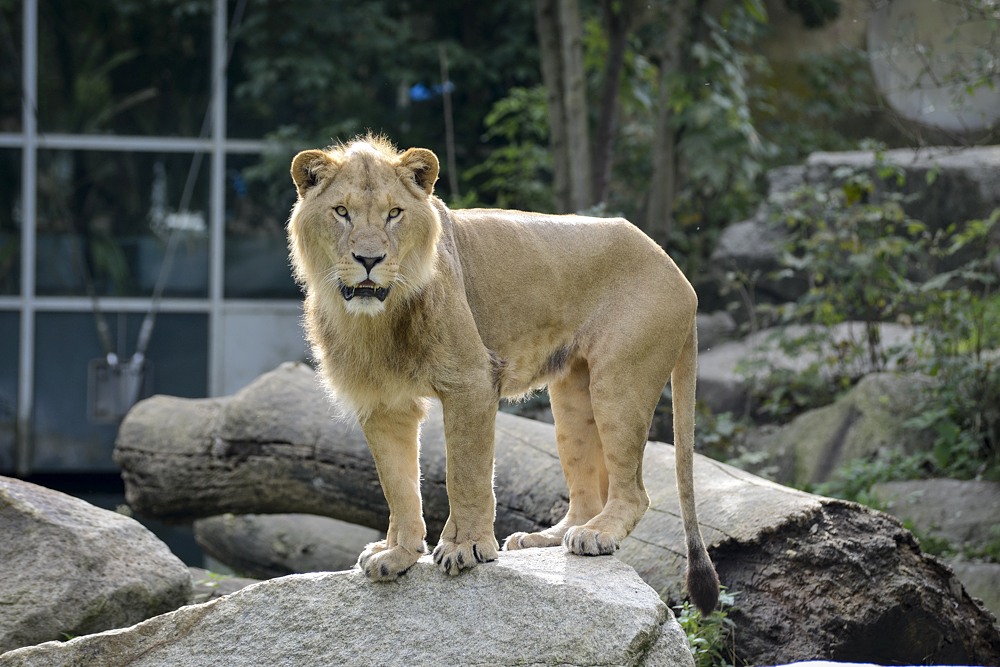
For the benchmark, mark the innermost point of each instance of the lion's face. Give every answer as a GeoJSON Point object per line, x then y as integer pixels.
{"type": "Point", "coordinates": [363, 229]}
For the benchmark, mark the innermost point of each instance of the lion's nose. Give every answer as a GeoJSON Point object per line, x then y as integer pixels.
{"type": "Point", "coordinates": [367, 262]}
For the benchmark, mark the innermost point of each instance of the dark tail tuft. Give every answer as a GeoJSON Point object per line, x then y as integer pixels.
{"type": "Point", "coordinates": [702, 582]}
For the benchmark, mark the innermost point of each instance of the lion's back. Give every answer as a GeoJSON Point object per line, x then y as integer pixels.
{"type": "Point", "coordinates": [536, 283]}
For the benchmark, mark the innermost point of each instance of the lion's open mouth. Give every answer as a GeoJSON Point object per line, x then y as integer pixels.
{"type": "Point", "coordinates": [364, 288]}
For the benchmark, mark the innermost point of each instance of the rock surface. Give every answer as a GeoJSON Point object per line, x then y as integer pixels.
{"type": "Point", "coordinates": [714, 329]}
{"type": "Point", "coordinates": [753, 248]}
{"type": "Point", "coordinates": [68, 568]}
{"type": "Point", "coordinates": [965, 185]}
{"type": "Point", "coordinates": [862, 423]}
{"type": "Point", "coordinates": [981, 580]}
{"type": "Point", "coordinates": [208, 585]}
{"type": "Point", "coordinates": [841, 571]}
{"type": "Point", "coordinates": [535, 607]}
{"type": "Point", "coordinates": [729, 373]}
{"type": "Point", "coordinates": [273, 545]}
{"type": "Point", "coordinates": [963, 513]}
{"type": "Point", "coordinates": [805, 567]}
{"type": "Point", "coordinates": [942, 186]}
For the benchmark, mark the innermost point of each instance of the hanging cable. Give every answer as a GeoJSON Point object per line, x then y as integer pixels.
{"type": "Point", "coordinates": [148, 322]}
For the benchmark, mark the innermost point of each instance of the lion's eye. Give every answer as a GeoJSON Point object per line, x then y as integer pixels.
{"type": "Point", "coordinates": [395, 212]}
{"type": "Point", "coordinates": [342, 211]}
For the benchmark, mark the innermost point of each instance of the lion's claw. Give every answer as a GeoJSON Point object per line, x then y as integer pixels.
{"type": "Point", "coordinates": [585, 541]}
{"type": "Point", "coordinates": [452, 558]}
{"type": "Point", "coordinates": [382, 563]}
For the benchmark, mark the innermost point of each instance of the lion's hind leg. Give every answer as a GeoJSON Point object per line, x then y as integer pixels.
{"type": "Point", "coordinates": [624, 395]}
{"type": "Point", "coordinates": [579, 447]}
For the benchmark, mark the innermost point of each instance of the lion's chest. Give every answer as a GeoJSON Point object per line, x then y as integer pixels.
{"type": "Point", "coordinates": [373, 363]}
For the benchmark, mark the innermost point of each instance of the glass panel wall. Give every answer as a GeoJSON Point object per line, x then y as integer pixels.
{"type": "Point", "coordinates": [128, 67]}
{"type": "Point", "coordinates": [105, 220]}
{"type": "Point", "coordinates": [9, 339]}
{"type": "Point", "coordinates": [135, 182]}
{"type": "Point", "coordinates": [68, 435]}
{"type": "Point", "coordinates": [10, 222]}
{"type": "Point", "coordinates": [259, 197]}
{"type": "Point", "coordinates": [10, 74]}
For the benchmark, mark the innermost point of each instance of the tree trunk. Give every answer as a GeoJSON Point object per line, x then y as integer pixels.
{"type": "Point", "coordinates": [618, 17]}
{"type": "Point", "coordinates": [575, 103]}
{"type": "Point", "coordinates": [663, 185]}
{"type": "Point", "coordinates": [814, 577]}
{"type": "Point", "coordinates": [560, 40]}
{"type": "Point", "coordinates": [547, 29]}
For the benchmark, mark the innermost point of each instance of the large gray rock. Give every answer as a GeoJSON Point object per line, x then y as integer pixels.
{"type": "Point", "coordinates": [966, 513]}
{"type": "Point", "coordinates": [715, 328]}
{"type": "Point", "coordinates": [752, 249]}
{"type": "Point", "coordinates": [273, 545]}
{"type": "Point", "coordinates": [942, 186]}
{"type": "Point", "coordinates": [866, 421]}
{"type": "Point", "coordinates": [532, 607]}
{"type": "Point", "coordinates": [981, 580]}
{"type": "Point", "coordinates": [732, 372]}
{"type": "Point", "coordinates": [963, 513]}
{"type": "Point", "coordinates": [68, 568]}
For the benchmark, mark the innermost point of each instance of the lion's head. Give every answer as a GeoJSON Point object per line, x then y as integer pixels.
{"type": "Point", "coordinates": [364, 228]}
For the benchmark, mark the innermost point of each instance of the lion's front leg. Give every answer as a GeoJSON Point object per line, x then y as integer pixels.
{"type": "Point", "coordinates": [467, 538]}
{"type": "Point", "coordinates": [392, 438]}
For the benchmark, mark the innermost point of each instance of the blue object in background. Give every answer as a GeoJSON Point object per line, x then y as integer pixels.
{"type": "Point", "coordinates": [421, 93]}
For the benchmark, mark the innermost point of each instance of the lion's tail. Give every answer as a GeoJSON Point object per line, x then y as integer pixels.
{"type": "Point", "coordinates": [702, 581]}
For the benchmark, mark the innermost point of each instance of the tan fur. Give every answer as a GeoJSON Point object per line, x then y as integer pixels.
{"type": "Point", "coordinates": [483, 304]}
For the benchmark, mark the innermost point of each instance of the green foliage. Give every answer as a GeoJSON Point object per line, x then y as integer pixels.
{"type": "Point", "coordinates": [718, 434]}
{"type": "Point", "coordinates": [960, 316]}
{"type": "Point", "coordinates": [988, 550]}
{"type": "Point", "coordinates": [865, 259]}
{"type": "Point", "coordinates": [815, 13]}
{"type": "Point", "coordinates": [517, 171]}
{"type": "Point", "coordinates": [858, 251]}
{"type": "Point", "coordinates": [930, 543]}
{"type": "Point", "coordinates": [821, 102]}
{"type": "Point", "coordinates": [854, 480]}
{"type": "Point", "coordinates": [722, 153]}
{"type": "Point", "coordinates": [338, 68]}
{"type": "Point", "coordinates": [711, 637]}
{"type": "Point", "coordinates": [778, 394]}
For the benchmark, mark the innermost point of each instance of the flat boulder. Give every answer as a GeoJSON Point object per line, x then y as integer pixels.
{"type": "Point", "coordinates": [532, 607]}
{"type": "Point", "coordinates": [69, 568]}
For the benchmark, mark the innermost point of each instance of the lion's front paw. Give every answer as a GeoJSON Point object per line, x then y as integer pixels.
{"type": "Point", "coordinates": [454, 557]}
{"type": "Point", "coordinates": [382, 563]}
{"type": "Point", "coordinates": [589, 542]}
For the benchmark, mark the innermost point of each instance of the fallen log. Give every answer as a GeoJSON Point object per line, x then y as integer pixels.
{"type": "Point", "coordinates": [814, 577]}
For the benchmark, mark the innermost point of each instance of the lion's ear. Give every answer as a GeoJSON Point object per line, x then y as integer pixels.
{"type": "Point", "coordinates": [424, 167]}
{"type": "Point", "coordinates": [309, 168]}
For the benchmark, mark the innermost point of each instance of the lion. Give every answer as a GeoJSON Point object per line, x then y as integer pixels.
{"type": "Point", "coordinates": [407, 300]}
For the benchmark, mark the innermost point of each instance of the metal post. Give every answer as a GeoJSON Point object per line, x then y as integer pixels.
{"type": "Point", "coordinates": [29, 164]}
{"type": "Point", "coordinates": [216, 217]}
